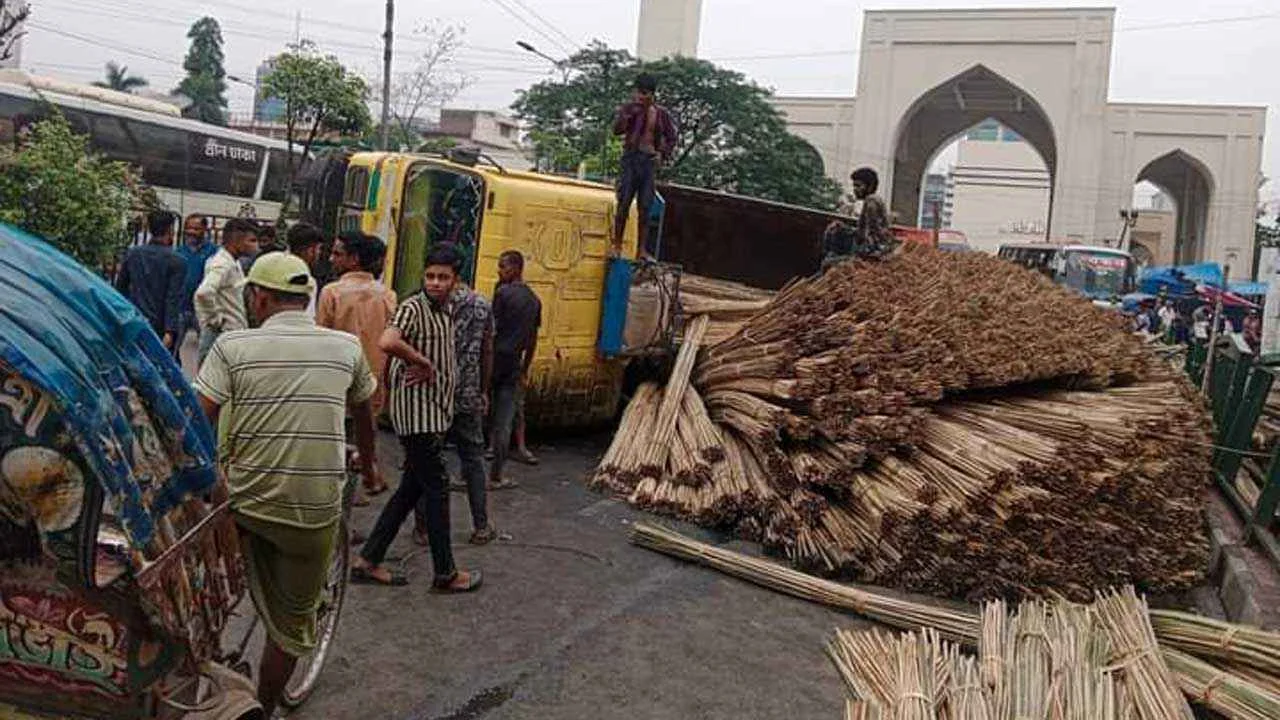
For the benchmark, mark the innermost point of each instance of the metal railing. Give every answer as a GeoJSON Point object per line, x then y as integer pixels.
{"type": "Point", "coordinates": [1237, 392]}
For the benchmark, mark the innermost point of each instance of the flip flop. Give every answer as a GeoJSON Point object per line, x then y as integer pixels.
{"type": "Point", "coordinates": [525, 457]}
{"type": "Point", "coordinates": [448, 588]}
{"type": "Point", "coordinates": [362, 576]}
{"type": "Point", "coordinates": [483, 536]}
{"type": "Point", "coordinates": [503, 484]}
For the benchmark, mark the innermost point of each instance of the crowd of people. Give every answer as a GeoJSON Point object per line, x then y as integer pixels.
{"type": "Point", "coordinates": [1164, 318]}
{"type": "Point", "coordinates": [292, 373]}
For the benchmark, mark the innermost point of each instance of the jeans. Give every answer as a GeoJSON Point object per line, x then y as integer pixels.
{"type": "Point", "coordinates": [207, 337]}
{"type": "Point", "coordinates": [637, 183]}
{"type": "Point", "coordinates": [467, 433]}
{"type": "Point", "coordinates": [425, 478]}
{"type": "Point", "coordinates": [508, 398]}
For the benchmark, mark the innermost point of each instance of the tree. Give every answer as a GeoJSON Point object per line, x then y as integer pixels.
{"type": "Point", "coordinates": [319, 94]}
{"type": "Point", "coordinates": [433, 81]}
{"type": "Point", "coordinates": [205, 83]}
{"type": "Point", "coordinates": [731, 136]}
{"type": "Point", "coordinates": [118, 78]}
{"type": "Point", "coordinates": [12, 14]}
{"type": "Point", "coordinates": [54, 186]}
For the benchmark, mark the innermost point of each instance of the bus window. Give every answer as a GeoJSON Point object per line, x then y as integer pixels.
{"type": "Point", "coordinates": [111, 139]}
{"type": "Point", "coordinates": [163, 153]}
{"type": "Point", "coordinates": [224, 167]}
{"type": "Point", "coordinates": [277, 184]}
{"type": "Point", "coordinates": [355, 193]}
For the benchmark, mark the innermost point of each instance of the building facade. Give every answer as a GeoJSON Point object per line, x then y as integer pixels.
{"type": "Point", "coordinates": [925, 76]}
{"type": "Point", "coordinates": [938, 204]}
{"type": "Point", "coordinates": [1000, 189]}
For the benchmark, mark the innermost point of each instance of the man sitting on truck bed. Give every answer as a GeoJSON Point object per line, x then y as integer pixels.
{"type": "Point", "coordinates": [871, 236]}
{"type": "Point", "coordinates": [649, 137]}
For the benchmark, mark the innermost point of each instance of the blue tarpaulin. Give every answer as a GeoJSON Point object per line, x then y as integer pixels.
{"type": "Point", "coordinates": [1248, 288]}
{"type": "Point", "coordinates": [1180, 279]}
{"type": "Point", "coordinates": [72, 335]}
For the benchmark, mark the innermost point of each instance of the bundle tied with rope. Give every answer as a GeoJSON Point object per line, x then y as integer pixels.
{"type": "Point", "coordinates": [939, 422]}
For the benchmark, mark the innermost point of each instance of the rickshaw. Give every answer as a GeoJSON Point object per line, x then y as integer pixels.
{"type": "Point", "coordinates": [120, 564]}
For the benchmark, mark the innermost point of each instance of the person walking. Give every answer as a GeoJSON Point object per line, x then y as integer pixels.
{"type": "Point", "coordinates": [280, 391]}
{"type": "Point", "coordinates": [195, 251]}
{"type": "Point", "coordinates": [473, 347]}
{"type": "Point", "coordinates": [358, 304]}
{"type": "Point", "coordinates": [219, 302]}
{"type": "Point", "coordinates": [517, 316]}
{"type": "Point", "coordinates": [649, 137]}
{"type": "Point", "coordinates": [422, 377]}
{"type": "Point", "coordinates": [152, 276]}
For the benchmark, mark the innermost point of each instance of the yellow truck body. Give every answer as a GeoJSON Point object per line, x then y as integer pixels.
{"type": "Point", "coordinates": [562, 227]}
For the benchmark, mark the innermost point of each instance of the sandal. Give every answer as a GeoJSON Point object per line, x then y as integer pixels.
{"type": "Point", "coordinates": [360, 500]}
{"type": "Point", "coordinates": [524, 456]}
{"type": "Point", "coordinates": [502, 484]}
{"type": "Point", "coordinates": [362, 576]}
{"type": "Point", "coordinates": [484, 536]}
{"type": "Point", "coordinates": [372, 492]}
{"type": "Point", "coordinates": [451, 587]}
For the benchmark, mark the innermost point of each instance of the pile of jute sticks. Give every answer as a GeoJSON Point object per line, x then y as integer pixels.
{"type": "Point", "coordinates": [945, 423]}
{"type": "Point", "coordinates": [1112, 657]}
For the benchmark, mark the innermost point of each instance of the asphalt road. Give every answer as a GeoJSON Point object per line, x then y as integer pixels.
{"type": "Point", "coordinates": [572, 622]}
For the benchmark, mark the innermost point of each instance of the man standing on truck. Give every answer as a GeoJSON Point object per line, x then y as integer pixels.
{"type": "Point", "coordinates": [284, 387]}
{"type": "Point", "coordinates": [871, 237]}
{"type": "Point", "coordinates": [152, 277]}
{"type": "Point", "coordinates": [422, 376]}
{"type": "Point", "coordinates": [219, 301]}
{"type": "Point", "coordinates": [517, 315]}
{"type": "Point", "coordinates": [649, 138]}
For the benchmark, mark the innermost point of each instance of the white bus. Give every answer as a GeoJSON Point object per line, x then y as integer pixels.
{"type": "Point", "coordinates": [1100, 273]}
{"type": "Point", "coordinates": [195, 168]}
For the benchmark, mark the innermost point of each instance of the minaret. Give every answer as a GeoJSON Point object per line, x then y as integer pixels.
{"type": "Point", "coordinates": [668, 27]}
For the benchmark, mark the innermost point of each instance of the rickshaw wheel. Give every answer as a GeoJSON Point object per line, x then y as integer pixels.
{"type": "Point", "coordinates": [309, 667]}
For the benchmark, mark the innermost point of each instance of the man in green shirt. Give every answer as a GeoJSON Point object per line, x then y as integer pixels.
{"type": "Point", "coordinates": [278, 394]}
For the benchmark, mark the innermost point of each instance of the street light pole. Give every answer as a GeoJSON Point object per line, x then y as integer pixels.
{"type": "Point", "coordinates": [384, 135]}
{"type": "Point", "coordinates": [561, 65]}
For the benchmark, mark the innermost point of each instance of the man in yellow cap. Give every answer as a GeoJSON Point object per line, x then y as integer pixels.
{"type": "Point", "coordinates": [278, 393]}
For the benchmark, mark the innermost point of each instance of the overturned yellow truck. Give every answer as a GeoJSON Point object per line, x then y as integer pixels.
{"type": "Point", "coordinates": [562, 226]}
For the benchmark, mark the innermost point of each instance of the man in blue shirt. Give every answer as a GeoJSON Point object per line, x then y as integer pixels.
{"type": "Point", "coordinates": [195, 251]}
{"type": "Point", "coordinates": [152, 277]}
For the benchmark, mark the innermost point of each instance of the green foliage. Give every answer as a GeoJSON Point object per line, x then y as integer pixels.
{"type": "Point", "coordinates": [118, 78]}
{"type": "Point", "coordinates": [435, 145]}
{"type": "Point", "coordinates": [206, 82]}
{"type": "Point", "coordinates": [55, 187]}
{"type": "Point", "coordinates": [319, 94]}
{"type": "Point", "coordinates": [731, 137]}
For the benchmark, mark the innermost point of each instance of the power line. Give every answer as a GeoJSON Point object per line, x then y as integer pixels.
{"type": "Point", "coordinates": [524, 21]}
{"type": "Point", "coordinates": [572, 43]}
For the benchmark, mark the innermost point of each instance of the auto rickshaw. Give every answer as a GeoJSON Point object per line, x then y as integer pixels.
{"type": "Point", "coordinates": [120, 562]}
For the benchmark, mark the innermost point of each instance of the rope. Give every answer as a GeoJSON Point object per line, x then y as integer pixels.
{"type": "Point", "coordinates": [1228, 636]}
{"type": "Point", "coordinates": [1214, 682]}
{"type": "Point", "coordinates": [1127, 660]}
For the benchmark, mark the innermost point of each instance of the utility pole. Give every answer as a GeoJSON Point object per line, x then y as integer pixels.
{"type": "Point", "coordinates": [384, 133]}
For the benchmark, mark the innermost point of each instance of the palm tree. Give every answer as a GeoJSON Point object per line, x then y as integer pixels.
{"type": "Point", "coordinates": [118, 78]}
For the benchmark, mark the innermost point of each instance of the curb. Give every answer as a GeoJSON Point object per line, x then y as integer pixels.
{"type": "Point", "coordinates": [1234, 580]}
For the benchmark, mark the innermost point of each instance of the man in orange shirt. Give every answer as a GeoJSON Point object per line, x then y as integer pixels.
{"type": "Point", "coordinates": [358, 304]}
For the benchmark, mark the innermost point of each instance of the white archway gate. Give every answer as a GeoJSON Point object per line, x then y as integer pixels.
{"type": "Point", "coordinates": [925, 75]}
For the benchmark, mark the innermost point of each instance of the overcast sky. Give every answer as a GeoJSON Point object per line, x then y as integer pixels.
{"type": "Point", "coordinates": [1223, 51]}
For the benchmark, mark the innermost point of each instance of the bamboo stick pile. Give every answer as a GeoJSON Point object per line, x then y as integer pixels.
{"type": "Point", "coordinates": [938, 422]}
{"type": "Point", "coordinates": [726, 304]}
{"type": "Point", "coordinates": [1225, 667]}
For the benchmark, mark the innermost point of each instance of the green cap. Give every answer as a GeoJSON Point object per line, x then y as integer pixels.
{"type": "Point", "coordinates": [283, 272]}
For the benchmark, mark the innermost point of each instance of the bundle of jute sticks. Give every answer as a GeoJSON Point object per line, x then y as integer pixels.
{"type": "Point", "coordinates": [944, 423]}
{"type": "Point", "coordinates": [1110, 658]}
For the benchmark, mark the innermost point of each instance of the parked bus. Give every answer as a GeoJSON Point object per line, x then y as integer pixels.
{"type": "Point", "coordinates": [1100, 273]}
{"type": "Point", "coordinates": [195, 168]}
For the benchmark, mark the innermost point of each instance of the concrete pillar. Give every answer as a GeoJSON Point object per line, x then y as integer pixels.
{"type": "Point", "coordinates": [668, 27]}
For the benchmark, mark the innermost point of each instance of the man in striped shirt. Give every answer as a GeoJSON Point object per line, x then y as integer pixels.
{"type": "Point", "coordinates": [419, 342]}
{"type": "Point", "coordinates": [278, 394]}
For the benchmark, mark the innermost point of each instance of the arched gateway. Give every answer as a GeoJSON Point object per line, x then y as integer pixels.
{"type": "Point", "coordinates": [927, 75]}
